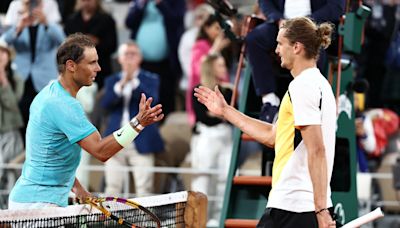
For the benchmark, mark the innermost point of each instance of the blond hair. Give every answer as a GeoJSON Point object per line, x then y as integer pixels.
{"type": "Point", "coordinates": [312, 36]}
{"type": "Point", "coordinates": [207, 72]}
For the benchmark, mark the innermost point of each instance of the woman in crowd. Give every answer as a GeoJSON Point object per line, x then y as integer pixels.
{"type": "Point", "coordinates": [210, 40]}
{"type": "Point", "coordinates": [11, 89]}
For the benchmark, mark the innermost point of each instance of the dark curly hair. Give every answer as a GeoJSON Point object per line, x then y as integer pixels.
{"type": "Point", "coordinates": [72, 49]}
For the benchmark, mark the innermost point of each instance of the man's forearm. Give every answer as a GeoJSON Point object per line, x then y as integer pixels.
{"type": "Point", "coordinates": [318, 173]}
{"type": "Point", "coordinates": [317, 164]}
{"type": "Point", "coordinates": [261, 131]}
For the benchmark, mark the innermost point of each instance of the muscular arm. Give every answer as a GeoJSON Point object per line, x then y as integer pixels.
{"type": "Point", "coordinates": [261, 131]}
{"type": "Point", "coordinates": [312, 137]}
{"type": "Point", "coordinates": [214, 101]}
{"type": "Point", "coordinates": [100, 148]}
{"type": "Point", "coordinates": [103, 149]}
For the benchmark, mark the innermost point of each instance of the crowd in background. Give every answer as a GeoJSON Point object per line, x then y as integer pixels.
{"type": "Point", "coordinates": [174, 46]}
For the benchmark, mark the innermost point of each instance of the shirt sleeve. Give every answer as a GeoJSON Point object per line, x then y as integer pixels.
{"type": "Point", "coordinates": [306, 101]}
{"type": "Point", "coordinates": [70, 119]}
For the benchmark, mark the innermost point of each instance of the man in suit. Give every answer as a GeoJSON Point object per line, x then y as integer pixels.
{"type": "Point", "coordinates": [261, 42]}
{"type": "Point", "coordinates": [121, 99]}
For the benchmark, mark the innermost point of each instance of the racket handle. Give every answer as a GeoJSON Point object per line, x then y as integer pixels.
{"type": "Point", "coordinates": [120, 221]}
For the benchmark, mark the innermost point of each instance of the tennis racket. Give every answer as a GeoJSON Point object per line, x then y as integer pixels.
{"type": "Point", "coordinates": [120, 210]}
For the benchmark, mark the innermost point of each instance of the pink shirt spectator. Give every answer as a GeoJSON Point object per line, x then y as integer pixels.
{"type": "Point", "coordinates": [200, 49]}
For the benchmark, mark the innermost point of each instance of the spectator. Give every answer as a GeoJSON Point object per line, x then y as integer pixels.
{"type": "Point", "coordinates": [11, 88]}
{"type": "Point", "coordinates": [261, 42]}
{"type": "Point", "coordinates": [201, 13]}
{"type": "Point", "coordinates": [121, 99]}
{"type": "Point", "coordinates": [35, 38]}
{"type": "Point", "coordinates": [67, 8]}
{"type": "Point", "coordinates": [383, 34]}
{"type": "Point", "coordinates": [16, 7]}
{"type": "Point", "coordinates": [366, 142]}
{"type": "Point", "coordinates": [90, 19]}
{"type": "Point", "coordinates": [157, 26]}
{"type": "Point", "coordinates": [210, 39]}
{"type": "Point", "coordinates": [211, 143]}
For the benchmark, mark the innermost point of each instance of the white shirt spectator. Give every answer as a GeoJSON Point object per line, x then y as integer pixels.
{"type": "Point", "coordinates": [184, 52]}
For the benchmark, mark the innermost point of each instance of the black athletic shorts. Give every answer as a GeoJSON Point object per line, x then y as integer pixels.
{"type": "Point", "coordinates": [277, 218]}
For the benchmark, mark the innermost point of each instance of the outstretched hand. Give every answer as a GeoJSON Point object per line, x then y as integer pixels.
{"type": "Point", "coordinates": [213, 100]}
{"type": "Point", "coordinates": [148, 115]}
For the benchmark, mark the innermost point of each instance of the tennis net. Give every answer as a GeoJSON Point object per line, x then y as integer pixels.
{"type": "Point", "coordinates": [180, 209]}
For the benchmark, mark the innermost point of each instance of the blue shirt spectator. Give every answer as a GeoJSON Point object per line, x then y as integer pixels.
{"type": "Point", "coordinates": [168, 68]}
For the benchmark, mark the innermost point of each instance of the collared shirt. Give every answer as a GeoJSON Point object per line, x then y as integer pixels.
{"type": "Point", "coordinates": [126, 93]}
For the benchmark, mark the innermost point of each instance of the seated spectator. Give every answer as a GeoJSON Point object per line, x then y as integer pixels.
{"type": "Point", "coordinates": [35, 38]}
{"type": "Point", "coordinates": [11, 88]}
{"type": "Point", "coordinates": [121, 99]}
{"type": "Point", "coordinates": [374, 127]}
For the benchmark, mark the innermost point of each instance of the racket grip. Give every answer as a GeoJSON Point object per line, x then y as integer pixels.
{"type": "Point", "coordinates": [121, 221]}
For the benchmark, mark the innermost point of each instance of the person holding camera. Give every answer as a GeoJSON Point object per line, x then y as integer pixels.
{"type": "Point", "coordinates": [35, 40]}
{"type": "Point", "coordinates": [16, 7]}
